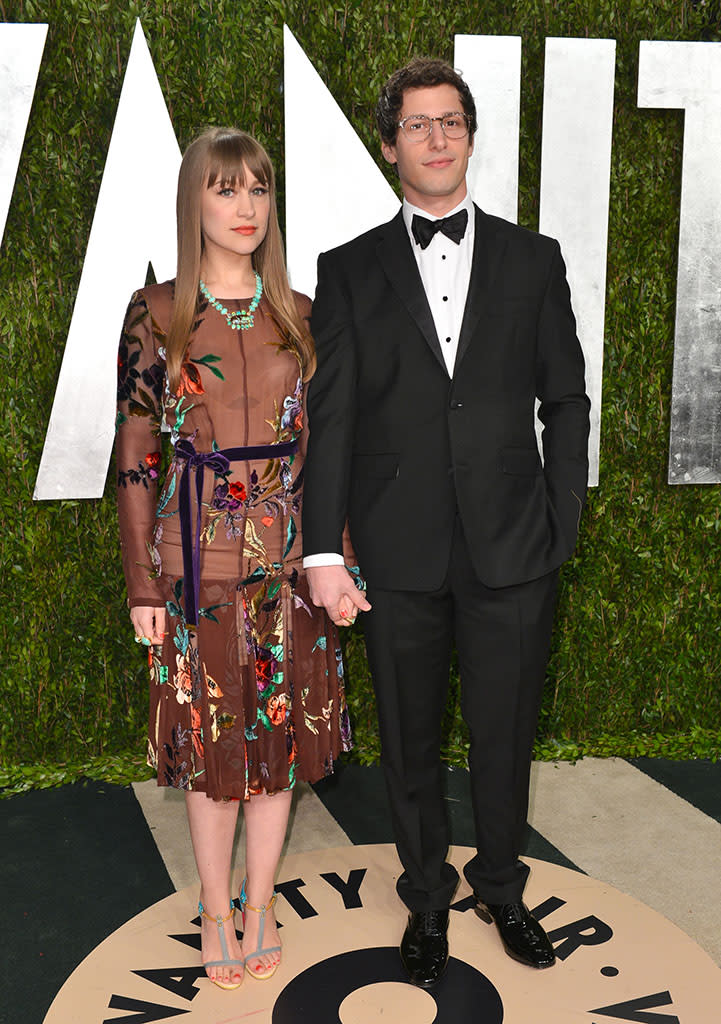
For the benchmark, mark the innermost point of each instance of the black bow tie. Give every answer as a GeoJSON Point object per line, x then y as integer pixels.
{"type": "Point", "coordinates": [453, 227]}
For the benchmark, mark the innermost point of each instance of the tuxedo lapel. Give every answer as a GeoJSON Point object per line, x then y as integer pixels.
{"type": "Point", "coordinates": [487, 253]}
{"type": "Point", "coordinates": [396, 258]}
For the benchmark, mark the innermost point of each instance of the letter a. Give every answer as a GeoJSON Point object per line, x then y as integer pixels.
{"type": "Point", "coordinates": [134, 222]}
{"type": "Point", "coordinates": [333, 189]}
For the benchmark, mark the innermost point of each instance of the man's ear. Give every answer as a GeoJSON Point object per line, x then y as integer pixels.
{"type": "Point", "coordinates": [389, 152]}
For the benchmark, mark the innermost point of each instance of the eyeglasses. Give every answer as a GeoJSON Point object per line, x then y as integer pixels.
{"type": "Point", "coordinates": [417, 127]}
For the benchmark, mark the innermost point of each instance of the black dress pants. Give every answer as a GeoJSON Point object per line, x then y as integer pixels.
{"type": "Point", "coordinates": [502, 638]}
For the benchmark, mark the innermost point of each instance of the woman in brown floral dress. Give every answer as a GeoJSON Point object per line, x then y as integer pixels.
{"type": "Point", "coordinates": [246, 675]}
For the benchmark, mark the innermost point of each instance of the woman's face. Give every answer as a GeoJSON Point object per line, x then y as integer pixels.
{"type": "Point", "coordinates": [234, 218]}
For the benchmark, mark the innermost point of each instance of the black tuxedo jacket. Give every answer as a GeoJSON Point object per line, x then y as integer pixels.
{"type": "Point", "coordinates": [398, 448]}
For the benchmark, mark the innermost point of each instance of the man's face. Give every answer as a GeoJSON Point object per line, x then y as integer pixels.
{"type": "Point", "coordinates": [432, 171]}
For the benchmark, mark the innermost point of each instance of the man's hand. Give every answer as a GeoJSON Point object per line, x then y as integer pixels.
{"type": "Point", "coordinates": [148, 623]}
{"type": "Point", "coordinates": [332, 588]}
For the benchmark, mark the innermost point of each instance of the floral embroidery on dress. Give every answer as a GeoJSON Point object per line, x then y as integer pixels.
{"type": "Point", "coordinates": [139, 389]}
{"type": "Point", "coordinates": [147, 470]}
{"type": "Point", "coordinates": [251, 697]}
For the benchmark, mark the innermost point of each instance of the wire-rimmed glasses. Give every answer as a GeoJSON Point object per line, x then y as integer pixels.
{"type": "Point", "coordinates": [417, 127]}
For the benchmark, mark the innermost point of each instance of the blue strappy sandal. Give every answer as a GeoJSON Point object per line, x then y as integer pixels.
{"type": "Point", "coordinates": [264, 972]}
{"type": "Point", "coordinates": [226, 961]}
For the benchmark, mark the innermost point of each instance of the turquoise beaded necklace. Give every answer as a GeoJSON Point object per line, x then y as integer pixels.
{"type": "Point", "coordinates": [239, 319]}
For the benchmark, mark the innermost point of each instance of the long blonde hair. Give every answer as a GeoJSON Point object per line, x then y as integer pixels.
{"type": "Point", "coordinates": [222, 154]}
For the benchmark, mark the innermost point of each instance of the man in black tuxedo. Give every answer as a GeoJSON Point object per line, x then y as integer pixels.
{"type": "Point", "coordinates": [435, 335]}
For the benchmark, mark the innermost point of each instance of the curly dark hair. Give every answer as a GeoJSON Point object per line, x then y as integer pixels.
{"type": "Point", "coordinates": [418, 74]}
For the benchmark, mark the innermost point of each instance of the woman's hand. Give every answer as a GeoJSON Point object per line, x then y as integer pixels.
{"type": "Point", "coordinates": [332, 588]}
{"type": "Point", "coordinates": [149, 624]}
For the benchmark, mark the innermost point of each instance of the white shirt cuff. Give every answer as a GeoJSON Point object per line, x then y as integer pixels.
{"type": "Point", "coordinates": [325, 558]}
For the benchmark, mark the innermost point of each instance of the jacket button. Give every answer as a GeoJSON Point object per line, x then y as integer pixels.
{"type": "Point", "coordinates": [455, 404]}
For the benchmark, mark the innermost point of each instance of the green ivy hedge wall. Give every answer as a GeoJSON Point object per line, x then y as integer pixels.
{"type": "Point", "coordinates": [636, 657]}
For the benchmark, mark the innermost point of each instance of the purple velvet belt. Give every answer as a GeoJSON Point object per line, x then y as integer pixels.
{"type": "Point", "coordinates": [219, 461]}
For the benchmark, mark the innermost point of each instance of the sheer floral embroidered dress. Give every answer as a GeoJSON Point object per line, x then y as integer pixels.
{"type": "Point", "coordinates": [246, 693]}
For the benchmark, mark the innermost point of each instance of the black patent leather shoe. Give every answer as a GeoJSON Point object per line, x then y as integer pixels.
{"type": "Point", "coordinates": [424, 947]}
{"type": "Point", "coordinates": [523, 937]}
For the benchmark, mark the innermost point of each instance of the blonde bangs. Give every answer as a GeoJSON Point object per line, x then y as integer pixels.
{"type": "Point", "coordinates": [230, 154]}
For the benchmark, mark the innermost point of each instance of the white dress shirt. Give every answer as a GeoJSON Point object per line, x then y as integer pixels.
{"type": "Point", "coordinates": [445, 269]}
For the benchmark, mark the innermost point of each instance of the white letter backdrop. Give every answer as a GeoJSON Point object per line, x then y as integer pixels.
{"type": "Point", "coordinates": [688, 75]}
{"type": "Point", "coordinates": [334, 191]}
{"type": "Point", "coordinates": [80, 435]}
{"type": "Point", "coordinates": [21, 50]}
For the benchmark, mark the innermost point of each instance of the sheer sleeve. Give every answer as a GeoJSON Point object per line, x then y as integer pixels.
{"type": "Point", "coordinates": [141, 372]}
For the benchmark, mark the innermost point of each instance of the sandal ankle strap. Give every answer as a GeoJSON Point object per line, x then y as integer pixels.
{"type": "Point", "coordinates": [243, 900]}
{"type": "Point", "coordinates": [264, 908]}
{"type": "Point", "coordinates": [218, 918]}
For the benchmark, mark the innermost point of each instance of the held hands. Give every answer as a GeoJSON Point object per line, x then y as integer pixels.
{"type": "Point", "coordinates": [149, 624]}
{"type": "Point", "coordinates": [332, 588]}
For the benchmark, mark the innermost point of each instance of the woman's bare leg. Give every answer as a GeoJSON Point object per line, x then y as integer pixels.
{"type": "Point", "coordinates": [212, 831]}
{"type": "Point", "coordinates": [266, 821]}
